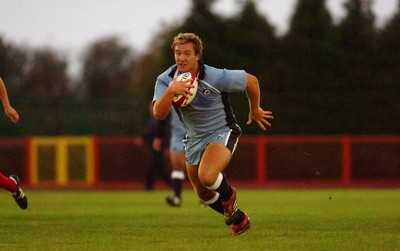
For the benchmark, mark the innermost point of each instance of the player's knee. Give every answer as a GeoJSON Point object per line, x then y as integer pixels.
{"type": "Point", "coordinates": [207, 179]}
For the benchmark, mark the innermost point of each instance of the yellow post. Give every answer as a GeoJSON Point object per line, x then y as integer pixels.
{"type": "Point", "coordinates": [34, 162]}
{"type": "Point", "coordinates": [90, 162]}
{"type": "Point", "coordinates": [61, 162]}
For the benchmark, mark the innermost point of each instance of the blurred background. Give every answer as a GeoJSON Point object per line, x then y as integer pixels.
{"type": "Point", "coordinates": [325, 67]}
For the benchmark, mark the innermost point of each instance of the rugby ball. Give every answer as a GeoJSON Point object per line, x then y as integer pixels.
{"type": "Point", "coordinates": [180, 100]}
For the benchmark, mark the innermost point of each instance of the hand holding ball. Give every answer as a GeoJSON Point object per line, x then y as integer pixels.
{"type": "Point", "coordinates": [181, 100]}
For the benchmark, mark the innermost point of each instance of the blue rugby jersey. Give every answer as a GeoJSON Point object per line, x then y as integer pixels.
{"type": "Point", "coordinates": [211, 110]}
{"type": "Point", "coordinates": [178, 132]}
{"type": "Point", "coordinates": [177, 128]}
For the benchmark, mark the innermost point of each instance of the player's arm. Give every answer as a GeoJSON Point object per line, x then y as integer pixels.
{"type": "Point", "coordinates": [162, 106]}
{"type": "Point", "coordinates": [8, 109]}
{"type": "Point", "coordinates": [256, 112]}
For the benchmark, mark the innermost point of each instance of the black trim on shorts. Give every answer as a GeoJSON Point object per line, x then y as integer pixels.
{"type": "Point", "coordinates": [233, 140]}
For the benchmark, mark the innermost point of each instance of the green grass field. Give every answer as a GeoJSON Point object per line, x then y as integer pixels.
{"type": "Point", "coordinates": [320, 219]}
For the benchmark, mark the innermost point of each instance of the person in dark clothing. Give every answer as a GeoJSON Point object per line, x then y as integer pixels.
{"type": "Point", "coordinates": [156, 138]}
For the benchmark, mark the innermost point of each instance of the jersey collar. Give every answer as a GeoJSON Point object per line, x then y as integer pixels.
{"type": "Point", "coordinates": [202, 72]}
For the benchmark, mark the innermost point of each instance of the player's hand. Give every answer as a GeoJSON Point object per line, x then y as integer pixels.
{"type": "Point", "coordinates": [12, 114]}
{"type": "Point", "coordinates": [182, 87]}
{"type": "Point", "coordinates": [261, 117]}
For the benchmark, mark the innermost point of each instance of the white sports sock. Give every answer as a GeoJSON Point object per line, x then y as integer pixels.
{"type": "Point", "coordinates": [178, 175]}
{"type": "Point", "coordinates": [217, 182]}
{"type": "Point", "coordinates": [209, 202]}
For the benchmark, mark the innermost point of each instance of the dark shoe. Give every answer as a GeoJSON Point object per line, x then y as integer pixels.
{"type": "Point", "coordinates": [173, 201]}
{"type": "Point", "coordinates": [241, 227]}
{"type": "Point", "coordinates": [19, 195]}
{"type": "Point", "coordinates": [230, 208]}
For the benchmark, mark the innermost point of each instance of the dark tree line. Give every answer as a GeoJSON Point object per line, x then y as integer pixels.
{"type": "Point", "coordinates": [321, 77]}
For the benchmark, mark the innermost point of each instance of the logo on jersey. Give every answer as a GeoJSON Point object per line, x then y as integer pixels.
{"type": "Point", "coordinates": [206, 92]}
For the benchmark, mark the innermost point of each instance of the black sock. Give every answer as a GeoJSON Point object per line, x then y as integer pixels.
{"type": "Point", "coordinates": [224, 189]}
{"type": "Point", "coordinates": [177, 186]}
{"type": "Point", "coordinates": [217, 206]}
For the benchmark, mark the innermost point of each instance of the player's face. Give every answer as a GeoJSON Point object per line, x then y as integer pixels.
{"type": "Point", "coordinates": [186, 58]}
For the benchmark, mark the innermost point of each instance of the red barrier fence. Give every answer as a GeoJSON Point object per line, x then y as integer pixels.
{"type": "Point", "coordinates": [336, 160]}
{"type": "Point", "coordinates": [258, 161]}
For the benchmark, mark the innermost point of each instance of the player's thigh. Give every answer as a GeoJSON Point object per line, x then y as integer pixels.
{"type": "Point", "coordinates": [214, 160]}
{"type": "Point", "coordinates": [192, 172]}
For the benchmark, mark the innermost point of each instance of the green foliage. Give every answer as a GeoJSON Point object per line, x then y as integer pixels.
{"type": "Point", "coordinates": [107, 68]}
{"type": "Point", "coordinates": [13, 61]}
{"type": "Point", "coordinates": [255, 49]}
{"type": "Point", "coordinates": [115, 116]}
{"type": "Point", "coordinates": [302, 219]}
{"type": "Point", "coordinates": [305, 75]}
{"type": "Point", "coordinates": [46, 75]}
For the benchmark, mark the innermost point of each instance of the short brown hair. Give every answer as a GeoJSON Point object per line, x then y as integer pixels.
{"type": "Point", "coordinates": [184, 38]}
